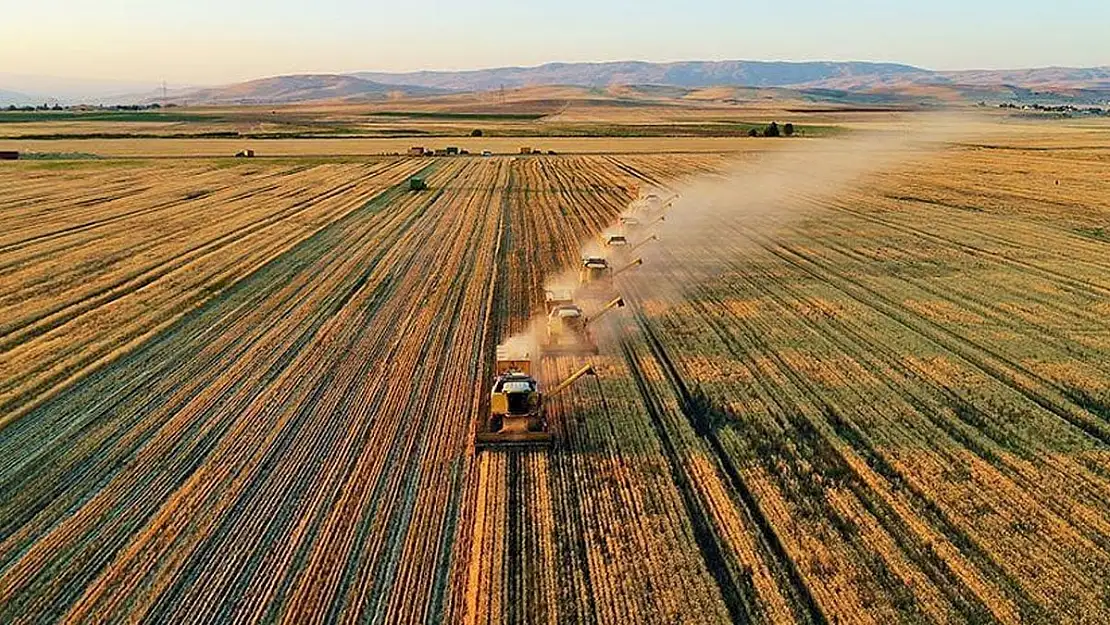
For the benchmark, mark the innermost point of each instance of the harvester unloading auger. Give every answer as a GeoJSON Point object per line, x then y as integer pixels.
{"type": "Point", "coordinates": [516, 408]}
{"type": "Point", "coordinates": [653, 237]}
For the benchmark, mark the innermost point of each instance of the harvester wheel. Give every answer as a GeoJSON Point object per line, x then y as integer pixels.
{"type": "Point", "coordinates": [495, 423]}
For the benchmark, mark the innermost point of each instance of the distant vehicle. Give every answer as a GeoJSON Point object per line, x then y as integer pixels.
{"type": "Point", "coordinates": [244, 154]}
{"type": "Point", "coordinates": [452, 150]}
{"type": "Point", "coordinates": [417, 150]}
{"type": "Point", "coordinates": [487, 153]}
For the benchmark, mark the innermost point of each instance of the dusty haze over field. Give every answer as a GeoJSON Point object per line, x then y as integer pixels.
{"type": "Point", "coordinates": [767, 191]}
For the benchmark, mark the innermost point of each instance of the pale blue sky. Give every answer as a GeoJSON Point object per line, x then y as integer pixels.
{"type": "Point", "coordinates": [214, 41]}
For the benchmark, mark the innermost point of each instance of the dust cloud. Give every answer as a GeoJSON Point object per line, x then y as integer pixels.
{"type": "Point", "coordinates": [524, 345]}
{"type": "Point", "coordinates": [759, 197]}
{"type": "Point", "coordinates": [722, 212]}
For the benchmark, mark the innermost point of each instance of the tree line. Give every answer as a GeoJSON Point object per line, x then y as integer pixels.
{"type": "Point", "coordinates": [773, 130]}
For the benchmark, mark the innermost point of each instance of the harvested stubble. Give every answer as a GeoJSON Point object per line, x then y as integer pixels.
{"type": "Point", "coordinates": [247, 393]}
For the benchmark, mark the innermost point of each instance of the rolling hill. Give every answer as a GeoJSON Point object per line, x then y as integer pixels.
{"type": "Point", "coordinates": [300, 88]}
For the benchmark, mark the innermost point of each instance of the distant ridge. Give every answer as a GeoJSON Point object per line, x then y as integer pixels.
{"type": "Point", "coordinates": [301, 88]}
{"type": "Point", "coordinates": [845, 81]}
{"type": "Point", "coordinates": [851, 76]}
{"type": "Point", "coordinates": [679, 74]}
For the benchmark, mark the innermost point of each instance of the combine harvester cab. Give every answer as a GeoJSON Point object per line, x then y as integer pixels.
{"type": "Point", "coordinates": [614, 241]}
{"type": "Point", "coordinates": [554, 298]}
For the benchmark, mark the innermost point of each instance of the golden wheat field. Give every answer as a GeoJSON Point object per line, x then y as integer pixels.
{"type": "Point", "coordinates": [247, 390]}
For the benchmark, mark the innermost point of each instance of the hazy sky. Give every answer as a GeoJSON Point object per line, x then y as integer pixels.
{"type": "Point", "coordinates": [217, 41]}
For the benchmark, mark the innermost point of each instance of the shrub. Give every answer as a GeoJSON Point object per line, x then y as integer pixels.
{"type": "Point", "coordinates": [477, 132]}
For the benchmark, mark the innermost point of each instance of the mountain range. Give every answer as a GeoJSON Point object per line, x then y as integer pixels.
{"type": "Point", "coordinates": [889, 81]}
{"type": "Point", "coordinates": [682, 74]}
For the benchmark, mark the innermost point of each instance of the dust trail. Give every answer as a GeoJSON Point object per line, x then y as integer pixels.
{"type": "Point", "coordinates": [761, 196]}
{"type": "Point", "coordinates": [524, 345]}
{"type": "Point", "coordinates": [779, 189]}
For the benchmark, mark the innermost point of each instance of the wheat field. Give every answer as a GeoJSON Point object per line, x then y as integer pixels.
{"type": "Point", "coordinates": [246, 390]}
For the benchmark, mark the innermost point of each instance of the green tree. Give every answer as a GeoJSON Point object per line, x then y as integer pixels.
{"type": "Point", "coordinates": [771, 130]}
{"type": "Point", "coordinates": [753, 133]}
{"type": "Point", "coordinates": [788, 129]}
{"type": "Point", "coordinates": [477, 132]}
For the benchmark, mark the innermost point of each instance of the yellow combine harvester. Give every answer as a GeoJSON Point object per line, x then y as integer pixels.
{"type": "Point", "coordinates": [568, 331]}
{"type": "Point", "coordinates": [516, 410]}
{"type": "Point", "coordinates": [651, 207]}
{"type": "Point", "coordinates": [596, 273]}
{"type": "Point", "coordinates": [638, 221]}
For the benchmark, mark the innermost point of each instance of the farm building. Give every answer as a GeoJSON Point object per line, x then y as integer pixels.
{"type": "Point", "coordinates": [416, 150]}
{"type": "Point", "coordinates": [9, 156]}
